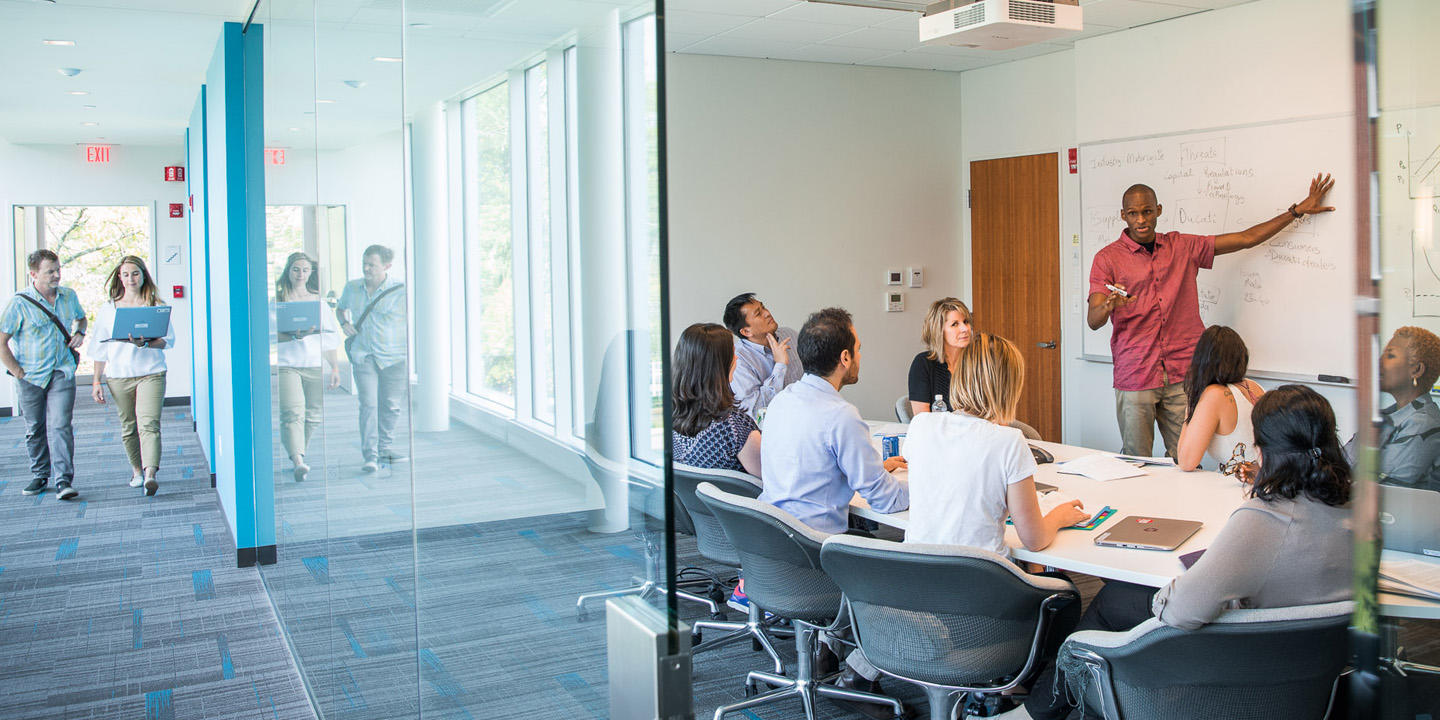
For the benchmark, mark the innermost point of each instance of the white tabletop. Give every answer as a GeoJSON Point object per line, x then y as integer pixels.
{"type": "Point", "coordinates": [1162, 492]}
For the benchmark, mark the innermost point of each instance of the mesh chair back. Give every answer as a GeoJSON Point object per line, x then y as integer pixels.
{"type": "Point", "coordinates": [1030, 433]}
{"type": "Point", "coordinates": [940, 614]}
{"type": "Point", "coordinates": [1241, 670]}
{"type": "Point", "coordinates": [780, 555]}
{"type": "Point", "coordinates": [903, 412]}
{"type": "Point", "coordinates": [710, 538]}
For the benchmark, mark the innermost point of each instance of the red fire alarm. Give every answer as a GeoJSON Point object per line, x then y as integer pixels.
{"type": "Point", "coordinates": [1074, 160]}
{"type": "Point", "coordinates": [177, 210]}
{"type": "Point", "coordinates": [174, 173]}
{"type": "Point", "coordinates": [178, 291]}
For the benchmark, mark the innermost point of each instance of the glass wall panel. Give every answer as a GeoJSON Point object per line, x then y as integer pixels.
{"type": "Point", "coordinates": [1404, 103]}
{"type": "Point", "coordinates": [455, 477]}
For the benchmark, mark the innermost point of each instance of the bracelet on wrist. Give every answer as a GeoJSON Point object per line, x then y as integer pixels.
{"type": "Point", "coordinates": [1295, 213]}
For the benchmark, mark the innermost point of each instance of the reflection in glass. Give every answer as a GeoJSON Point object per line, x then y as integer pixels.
{"type": "Point", "coordinates": [490, 306]}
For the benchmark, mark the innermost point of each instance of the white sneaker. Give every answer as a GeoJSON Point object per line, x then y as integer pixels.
{"type": "Point", "coordinates": [302, 471]}
{"type": "Point", "coordinates": [151, 487]}
{"type": "Point", "coordinates": [369, 466]}
{"type": "Point", "coordinates": [137, 480]}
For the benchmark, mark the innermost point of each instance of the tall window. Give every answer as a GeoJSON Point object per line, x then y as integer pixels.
{"type": "Point", "coordinates": [572, 218]}
{"type": "Point", "coordinates": [537, 176]}
{"type": "Point", "coordinates": [489, 298]}
{"type": "Point", "coordinates": [642, 190]}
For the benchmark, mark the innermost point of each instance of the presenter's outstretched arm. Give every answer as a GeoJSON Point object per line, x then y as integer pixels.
{"type": "Point", "coordinates": [1313, 204]}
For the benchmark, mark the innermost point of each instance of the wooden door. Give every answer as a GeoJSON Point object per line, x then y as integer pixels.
{"type": "Point", "coordinates": [1015, 261]}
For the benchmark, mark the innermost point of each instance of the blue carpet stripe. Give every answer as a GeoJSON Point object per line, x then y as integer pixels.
{"type": "Point", "coordinates": [80, 510]}
{"type": "Point", "coordinates": [3, 483]}
{"type": "Point", "coordinates": [188, 473]}
{"type": "Point", "coordinates": [199, 535]}
{"type": "Point", "coordinates": [319, 567]}
{"type": "Point", "coordinates": [158, 707]}
{"type": "Point", "coordinates": [227, 666]}
{"type": "Point", "coordinates": [407, 597]}
{"type": "Point", "coordinates": [583, 693]}
{"type": "Point", "coordinates": [204, 584]}
{"type": "Point", "coordinates": [355, 647]}
{"type": "Point", "coordinates": [137, 624]}
{"type": "Point", "coordinates": [539, 544]}
{"type": "Point", "coordinates": [68, 548]}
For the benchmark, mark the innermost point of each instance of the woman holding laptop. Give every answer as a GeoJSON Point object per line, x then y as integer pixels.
{"type": "Point", "coordinates": [133, 365]}
{"type": "Point", "coordinates": [298, 354]}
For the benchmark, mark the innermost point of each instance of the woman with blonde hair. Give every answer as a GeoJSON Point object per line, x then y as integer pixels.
{"type": "Point", "coordinates": [969, 470]}
{"type": "Point", "coordinates": [134, 370]}
{"type": "Point", "coordinates": [298, 362]}
{"type": "Point", "coordinates": [947, 331]}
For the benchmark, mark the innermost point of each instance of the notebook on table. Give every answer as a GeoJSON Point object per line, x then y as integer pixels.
{"type": "Point", "coordinates": [1148, 533]}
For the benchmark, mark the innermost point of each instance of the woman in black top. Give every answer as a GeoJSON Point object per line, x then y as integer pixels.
{"type": "Point", "coordinates": [947, 329]}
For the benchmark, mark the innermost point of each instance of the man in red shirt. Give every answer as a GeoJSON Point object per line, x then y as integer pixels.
{"type": "Point", "coordinates": [1155, 310]}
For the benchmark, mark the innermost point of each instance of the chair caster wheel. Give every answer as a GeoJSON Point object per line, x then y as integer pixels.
{"type": "Point", "coordinates": [695, 638]}
{"type": "Point", "coordinates": [751, 690]}
{"type": "Point", "coordinates": [581, 615]}
{"type": "Point", "coordinates": [719, 617]}
{"type": "Point", "coordinates": [755, 645]}
{"type": "Point", "coordinates": [717, 595]}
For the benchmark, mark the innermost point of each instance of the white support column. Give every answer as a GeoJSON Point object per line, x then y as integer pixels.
{"type": "Point", "coordinates": [433, 300]}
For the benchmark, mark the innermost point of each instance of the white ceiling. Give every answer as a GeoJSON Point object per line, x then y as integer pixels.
{"type": "Point", "coordinates": [144, 60]}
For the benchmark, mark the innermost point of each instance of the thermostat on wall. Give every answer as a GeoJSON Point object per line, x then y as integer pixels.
{"type": "Point", "coordinates": [895, 277]}
{"type": "Point", "coordinates": [894, 301]}
{"type": "Point", "coordinates": [916, 276]}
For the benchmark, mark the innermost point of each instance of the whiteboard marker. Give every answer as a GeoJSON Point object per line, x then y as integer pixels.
{"type": "Point", "coordinates": [1114, 289]}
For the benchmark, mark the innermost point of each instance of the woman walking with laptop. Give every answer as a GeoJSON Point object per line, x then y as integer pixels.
{"type": "Point", "coordinates": [298, 355]}
{"type": "Point", "coordinates": [134, 368]}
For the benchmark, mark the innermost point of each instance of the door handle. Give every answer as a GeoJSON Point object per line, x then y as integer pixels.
{"type": "Point", "coordinates": [1046, 345]}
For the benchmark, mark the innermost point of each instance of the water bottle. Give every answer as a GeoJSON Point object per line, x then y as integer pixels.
{"type": "Point", "coordinates": [939, 404]}
{"type": "Point", "coordinates": [760, 418]}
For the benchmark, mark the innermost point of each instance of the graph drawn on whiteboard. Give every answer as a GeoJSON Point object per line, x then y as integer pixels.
{"type": "Point", "coordinates": [1422, 164]}
{"type": "Point", "coordinates": [1425, 287]}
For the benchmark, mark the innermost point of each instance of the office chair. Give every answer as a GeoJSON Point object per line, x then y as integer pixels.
{"type": "Point", "coordinates": [1247, 665]}
{"type": "Point", "coordinates": [902, 409]}
{"type": "Point", "coordinates": [954, 620]}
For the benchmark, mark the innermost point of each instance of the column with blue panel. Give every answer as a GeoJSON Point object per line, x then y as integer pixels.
{"type": "Point", "coordinates": [236, 291]}
{"type": "Point", "coordinates": [202, 376]}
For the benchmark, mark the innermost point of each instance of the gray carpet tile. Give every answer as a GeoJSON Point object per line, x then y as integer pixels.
{"type": "Point", "coordinates": [119, 606]}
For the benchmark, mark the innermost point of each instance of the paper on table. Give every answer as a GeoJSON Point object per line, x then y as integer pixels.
{"type": "Point", "coordinates": [1145, 460]}
{"type": "Point", "coordinates": [1411, 577]}
{"type": "Point", "coordinates": [1099, 467]}
{"type": "Point", "coordinates": [1051, 500]}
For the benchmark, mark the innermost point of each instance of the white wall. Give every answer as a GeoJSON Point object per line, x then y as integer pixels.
{"type": "Point", "coordinates": [59, 175]}
{"type": "Point", "coordinates": [1246, 64]}
{"type": "Point", "coordinates": [804, 182]}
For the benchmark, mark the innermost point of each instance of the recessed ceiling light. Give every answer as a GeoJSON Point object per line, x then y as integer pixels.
{"type": "Point", "coordinates": [66, 43]}
{"type": "Point", "coordinates": [357, 84]}
{"type": "Point", "coordinates": [385, 58]}
{"type": "Point", "coordinates": [77, 92]}
{"type": "Point", "coordinates": [325, 102]}
{"type": "Point", "coordinates": [420, 26]}
{"type": "Point", "coordinates": [68, 72]}
{"type": "Point", "coordinates": [88, 107]}
{"type": "Point", "coordinates": [294, 129]}
{"type": "Point", "coordinates": [90, 123]}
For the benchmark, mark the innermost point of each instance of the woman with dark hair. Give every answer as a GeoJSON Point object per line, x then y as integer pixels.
{"type": "Point", "coordinates": [134, 370]}
{"type": "Point", "coordinates": [710, 430]}
{"type": "Point", "coordinates": [1218, 400]}
{"type": "Point", "coordinates": [1289, 544]}
{"type": "Point", "coordinates": [298, 361]}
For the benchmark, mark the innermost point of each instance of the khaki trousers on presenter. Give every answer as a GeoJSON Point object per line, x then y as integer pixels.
{"type": "Point", "coordinates": [302, 407]}
{"type": "Point", "coordinates": [1139, 410]}
{"type": "Point", "coordinates": [138, 401]}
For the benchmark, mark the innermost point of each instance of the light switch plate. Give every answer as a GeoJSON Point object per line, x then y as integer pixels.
{"type": "Point", "coordinates": [916, 276]}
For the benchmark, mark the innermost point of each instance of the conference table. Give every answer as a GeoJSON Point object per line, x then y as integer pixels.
{"type": "Point", "coordinates": [1163, 491]}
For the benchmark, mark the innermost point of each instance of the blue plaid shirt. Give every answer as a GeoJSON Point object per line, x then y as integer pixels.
{"type": "Point", "coordinates": [383, 334]}
{"type": "Point", "coordinates": [41, 347]}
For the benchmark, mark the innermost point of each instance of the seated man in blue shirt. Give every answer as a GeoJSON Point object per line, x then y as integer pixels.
{"type": "Point", "coordinates": [817, 452]}
{"type": "Point", "coordinates": [765, 361]}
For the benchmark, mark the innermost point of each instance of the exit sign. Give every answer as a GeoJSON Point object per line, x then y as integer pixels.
{"type": "Point", "coordinates": [275, 156]}
{"type": "Point", "coordinates": [97, 153]}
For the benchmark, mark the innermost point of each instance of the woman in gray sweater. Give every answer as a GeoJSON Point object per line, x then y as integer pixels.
{"type": "Point", "coordinates": [1288, 544]}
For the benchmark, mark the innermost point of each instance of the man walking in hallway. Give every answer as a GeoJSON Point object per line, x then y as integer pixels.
{"type": "Point", "coordinates": [372, 315]}
{"type": "Point", "coordinates": [39, 319]}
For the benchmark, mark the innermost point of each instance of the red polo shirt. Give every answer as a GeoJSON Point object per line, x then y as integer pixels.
{"type": "Point", "coordinates": [1152, 338]}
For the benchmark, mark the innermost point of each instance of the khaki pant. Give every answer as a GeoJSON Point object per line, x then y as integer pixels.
{"type": "Point", "coordinates": [138, 401]}
{"type": "Point", "coordinates": [302, 407]}
{"type": "Point", "coordinates": [1139, 410]}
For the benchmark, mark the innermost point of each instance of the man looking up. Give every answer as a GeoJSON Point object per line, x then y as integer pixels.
{"type": "Point", "coordinates": [39, 318]}
{"type": "Point", "coordinates": [765, 361]}
{"type": "Point", "coordinates": [817, 454]}
{"type": "Point", "coordinates": [1143, 283]}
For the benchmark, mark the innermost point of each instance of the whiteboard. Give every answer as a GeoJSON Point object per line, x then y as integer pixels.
{"type": "Point", "coordinates": [1409, 183]}
{"type": "Point", "coordinates": [1292, 298]}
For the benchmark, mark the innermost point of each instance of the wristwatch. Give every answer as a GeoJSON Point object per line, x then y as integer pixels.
{"type": "Point", "coordinates": [1294, 213]}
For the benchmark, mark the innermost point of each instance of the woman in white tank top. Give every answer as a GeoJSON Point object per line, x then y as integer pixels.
{"type": "Point", "coordinates": [1218, 400]}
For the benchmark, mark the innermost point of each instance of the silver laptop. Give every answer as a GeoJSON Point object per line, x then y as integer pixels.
{"type": "Point", "coordinates": [1410, 520]}
{"type": "Point", "coordinates": [297, 315]}
{"type": "Point", "coordinates": [151, 322]}
{"type": "Point", "coordinates": [1148, 533]}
